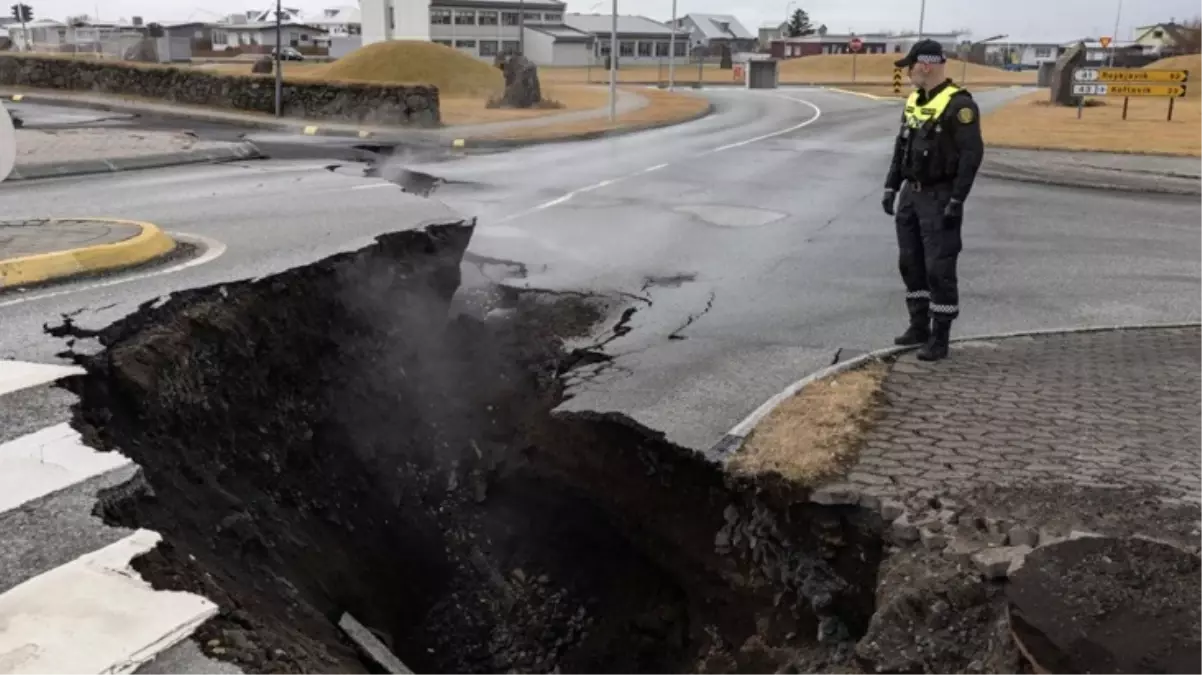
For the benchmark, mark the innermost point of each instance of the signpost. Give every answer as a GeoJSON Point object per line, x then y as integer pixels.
{"type": "Point", "coordinates": [897, 80]}
{"type": "Point", "coordinates": [855, 46]}
{"type": "Point", "coordinates": [1170, 84]}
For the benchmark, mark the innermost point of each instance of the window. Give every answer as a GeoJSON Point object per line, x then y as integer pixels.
{"type": "Point", "coordinates": [626, 48]}
{"type": "Point", "coordinates": [304, 37]}
{"type": "Point", "coordinates": [465, 17]}
{"type": "Point", "coordinates": [534, 16]}
{"type": "Point", "coordinates": [682, 48]}
{"type": "Point", "coordinates": [509, 18]}
{"type": "Point", "coordinates": [1043, 52]}
{"type": "Point", "coordinates": [488, 48]}
{"type": "Point", "coordinates": [661, 48]}
{"type": "Point", "coordinates": [644, 48]}
{"type": "Point", "coordinates": [553, 17]}
{"type": "Point", "coordinates": [444, 43]}
{"type": "Point", "coordinates": [488, 18]}
{"type": "Point", "coordinates": [603, 48]}
{"type": "Point", "coordinates": [465, 44]}
{"type": "Point", "coordinates": [511, 46]}
{"type": "Point", "coordinates": [438, 17]}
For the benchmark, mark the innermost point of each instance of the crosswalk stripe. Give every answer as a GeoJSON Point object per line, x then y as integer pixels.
{"type": "Point", "coordinates": [94, 615]}
{"type": "Point", "coordinates": [47, 461]}
{"type": "Point", "coordinates": [17, 375]}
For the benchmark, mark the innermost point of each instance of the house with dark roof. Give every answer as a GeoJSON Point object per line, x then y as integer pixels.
{"type": "Point", "coordinates": [714, 31]}
{"type": "Point", "coordinates": [1166, 38]}
{"type": "Point", "coordinates": [640, 40]}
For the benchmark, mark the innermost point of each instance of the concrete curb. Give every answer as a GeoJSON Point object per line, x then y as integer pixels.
{"type": "Point", "coordinates": [733, 440]}
{"type": "Point", "coordinates": [148, 244]}
{"type": "Point", "coordinates": [93, 166]}
{"type": "Point", "coordinates": [504, 143]}
{"type": "Point", "coordinates": [873, 97]}
{"type": "Point", "coordinates": [1139, 182]}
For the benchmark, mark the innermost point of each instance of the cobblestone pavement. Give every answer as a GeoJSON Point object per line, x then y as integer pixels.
{"type": "Point", "coordinates": [37, 146]}
{"type": "Point", "coordinates": [1092, 410]}
{"type": "Point", "coordinates": [29, 237]}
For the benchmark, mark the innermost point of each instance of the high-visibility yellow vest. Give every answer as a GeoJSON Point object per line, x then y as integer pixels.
{"type": "Point", "coordinates": [932, 110]}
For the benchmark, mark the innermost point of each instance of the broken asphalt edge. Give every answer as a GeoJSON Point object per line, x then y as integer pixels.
{"type": "Point", "coordinates": [150, 243]}
{"type": "Point", "coordinates": [82, 167]}
{"type": "Point", "coordinates": [734, 439]}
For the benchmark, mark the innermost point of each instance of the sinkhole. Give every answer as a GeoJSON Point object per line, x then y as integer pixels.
{"type": "Point", "coordinates": [353, 436]}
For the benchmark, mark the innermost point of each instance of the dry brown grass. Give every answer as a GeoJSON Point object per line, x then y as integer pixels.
{"type": "Point", "coordinates": [418, 62]}
{"type": "Point", "coordinates": [815, 436]}
{"type": "Point", "coordinates": [570, 97]}
{"type": "Point", "coordinates": [663, 107]}
{"type": "Point", "coordinates": [1190, 62]}
{"type": "Point", "coordinates": [1030, 122]}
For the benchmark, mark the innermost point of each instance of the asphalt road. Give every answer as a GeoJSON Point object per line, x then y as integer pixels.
{"type": "Point", "coordinates": [754, 236]}
{"type": "Point", "coordinates": [770, 209]}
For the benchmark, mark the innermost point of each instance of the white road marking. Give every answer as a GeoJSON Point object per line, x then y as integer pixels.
{"type": "Point", "coordinates": [373, 186]}
{"type": "Point", "coordinates": [213, 250]}
{"type": "Point", "coordinates": [567, 196]}
{"type": "Point", "coordinates": [46, 461]}
{"type": "Point", "coordinates": [95, 615]}
{"type": "Point", "coordinates": [16, 375]}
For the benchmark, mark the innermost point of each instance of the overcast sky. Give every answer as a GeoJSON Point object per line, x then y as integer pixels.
{"type": "Point", "coordinates": [1027, 20]}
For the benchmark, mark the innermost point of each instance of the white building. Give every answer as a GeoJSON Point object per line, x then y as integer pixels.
{"type": "Point", "coordinates": [640, 40]}
{"type": "Point", "coordinates": [338, 21]}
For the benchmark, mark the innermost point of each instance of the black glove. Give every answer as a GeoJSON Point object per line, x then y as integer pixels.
{"type": "Point", "coordinates": [888, 200]}
{"type": "Point", "coordinates": [953, 214]}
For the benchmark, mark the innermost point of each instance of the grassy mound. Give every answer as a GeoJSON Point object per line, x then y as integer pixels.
{"type": "Point", "coordinates": [879, 67]}
{"type": "Point", "coordinates": [415, 62]}
{"type": "Point", "coordinates": [1190, 62]}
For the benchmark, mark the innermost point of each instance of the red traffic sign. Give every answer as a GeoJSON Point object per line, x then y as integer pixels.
{"type": "Point", "coordinates": [856, 44]}
{"type": "Point", "coordinates": [1105, 41]}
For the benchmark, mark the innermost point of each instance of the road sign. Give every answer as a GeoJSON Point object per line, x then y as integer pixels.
{"type": "Point", "coordinates": [739, 73]}
{"type": "Point", "coordinates": [897, 80]}
{"type": "Point", "coordinates": [1105, 41]}
{"type": "Point", "coordinates": [1169, 90]}
{"type": "Point", "coordinates": [1128, 75]}
{"type": "Point", "coordinates": [856, 44]}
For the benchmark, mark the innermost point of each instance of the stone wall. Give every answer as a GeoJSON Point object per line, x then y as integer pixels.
{"type": "Point", "coordinates": [415, 105]}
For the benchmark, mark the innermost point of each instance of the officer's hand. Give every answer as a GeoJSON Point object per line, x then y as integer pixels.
{"type": "Point", "coordinates": [888, 200]}
{"type": "Point", "coordinates": [953, 214]}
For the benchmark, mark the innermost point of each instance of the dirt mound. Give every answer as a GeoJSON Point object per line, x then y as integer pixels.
{"type": "Point", "coordinates": [413, 62]}
{"type": "Point", "coordinates": [1190, 62]}
{"type": "Point", "coordinates": [879, 68]}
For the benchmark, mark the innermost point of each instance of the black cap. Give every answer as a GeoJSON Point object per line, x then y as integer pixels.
{"type": "Point", "coordinates": [923, 51]}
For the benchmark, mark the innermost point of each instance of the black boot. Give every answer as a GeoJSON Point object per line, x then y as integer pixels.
{"type": "Point", "coordinates": [936, 347]}
{"type": "Point", "coordinates": [918, 332]}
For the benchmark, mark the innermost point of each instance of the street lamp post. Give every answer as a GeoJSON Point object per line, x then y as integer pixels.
{"type": "Point", "coordinates": [613, 65]}
{"type": "Point", "coordinates": [522, 27]}
{"type": "Point", "coordinates": [279, 52]}
{"type": "Point", "coordinates": [1114, 37]}
{"type": "Point", "coordinates": [922, 15]}
{"type": "Point", "coordinates": [672, 50]}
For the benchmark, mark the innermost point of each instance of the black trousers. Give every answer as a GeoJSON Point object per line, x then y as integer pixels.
{"type": "Point", "coordinates": [927, 252]}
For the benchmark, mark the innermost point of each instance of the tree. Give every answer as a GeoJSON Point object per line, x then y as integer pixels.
{"type": "Point", "coordinates": [799, 24]}
{"type": "Point", "coordinates": [1191, 42]}
{"type": "Point", "coordinates": [822, 30]}
{"type": "Point", "coordinates": [155, 30]}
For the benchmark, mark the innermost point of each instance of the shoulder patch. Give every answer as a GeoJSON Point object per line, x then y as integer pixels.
{"type": "Point", "coordinates": [966, 115]}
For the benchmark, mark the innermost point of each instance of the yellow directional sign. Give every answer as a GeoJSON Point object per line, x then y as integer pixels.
{"type": "Point", "coordinates": [1164, 90]}
{"type": "Point", "coordinates": [1129, 75]}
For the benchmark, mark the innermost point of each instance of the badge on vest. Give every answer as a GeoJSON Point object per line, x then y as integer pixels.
{"type": "Point", "coordinates": [966, 116]}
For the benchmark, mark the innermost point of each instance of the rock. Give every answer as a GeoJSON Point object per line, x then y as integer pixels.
{"type": "Point", "coordinates": [903, 530]}
{"type": "Point", "coordinates": [145, 51]}
{"type": "Point", "coordinates": [263, 66]}
{"type": "Point", "coordinates": [1082, 534]}
{"type": "Point", "coordinates": [995, 563]}
{"type": "Point", "coordinates": [1062, 77]}
{"type": "Point", "coordinates": [834, 496]}
{"type": "Point", "coordinates": [934, 540]}
{"type": "Point", "coordinates": [522, 88]}
{"type": "Point", "coordinates": [960, 551]}
{"type": "Point", "coordinates": [891, 509]}
{"type": "Point", "coordinates": [1107, 604]}
{"type": "Point", "coordinates": [1023, 536]}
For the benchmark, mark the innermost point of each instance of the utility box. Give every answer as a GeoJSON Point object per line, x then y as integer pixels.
{"type": "Point", "coordinates": [762, 73]}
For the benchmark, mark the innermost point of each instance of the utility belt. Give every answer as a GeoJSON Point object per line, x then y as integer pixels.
{"type": "Point", "coordinates": [928, 186]}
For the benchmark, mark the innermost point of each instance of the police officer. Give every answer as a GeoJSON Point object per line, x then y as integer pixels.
{"type": "Point", "coordinates": [937, 153]}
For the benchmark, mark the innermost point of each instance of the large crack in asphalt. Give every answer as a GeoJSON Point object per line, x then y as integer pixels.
{"type": "Point", "coordinates": [335, 438]}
